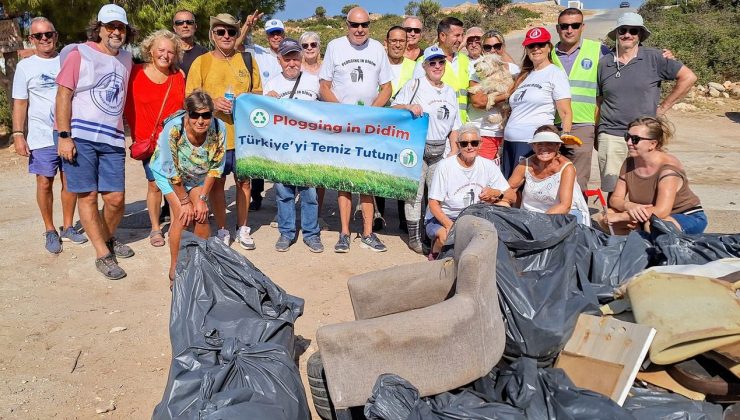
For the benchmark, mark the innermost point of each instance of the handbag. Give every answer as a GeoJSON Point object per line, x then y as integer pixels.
{"type": "Point", "coordinates": [143, 150]}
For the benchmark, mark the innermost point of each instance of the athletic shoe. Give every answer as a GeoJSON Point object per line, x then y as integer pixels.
{"type": "Point", "coordinates": [53, 243]}
{"type": "Point", "coordinates": [314, 244]}
{"type": "Point", "coordinates": [342, 245]}
{"type": "Point", "coordinates": [71, 235]}
{"type": "Point", "coordinates": [245, 241]}
{"type": "Point", "coordinates": [283, 243]}
{"type": "Point", "coordinates": [373, 243]}
{"type": "Point", "coordinates": [108, 266]}
{"type": "Point", "coordinates": [119, 249]}
{"type": "Point", "coordinates": [224, 236]}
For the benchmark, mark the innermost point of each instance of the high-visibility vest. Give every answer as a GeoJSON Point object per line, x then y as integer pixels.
{"type": "Point", "coordinates": [407, 73]}
{"type": "Point", "coordinates": [583, 82]}
{"type": "Point", "coordinates": [459, 81]}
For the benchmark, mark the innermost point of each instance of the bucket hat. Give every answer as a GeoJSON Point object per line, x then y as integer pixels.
{"type": "Point", "coordinates": [630, 19]}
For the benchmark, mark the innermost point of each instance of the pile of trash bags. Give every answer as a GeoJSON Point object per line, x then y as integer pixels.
{"type": "Point", "coordinates": [232, 338]}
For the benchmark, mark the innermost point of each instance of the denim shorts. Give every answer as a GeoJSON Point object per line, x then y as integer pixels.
{"type": "Point", "coordinates": [44, 161]}
{"type": "Point", "coordinates": [432, 226]}
{"type": "Point", "coordinates": [693, 223]}
{"type": "Point", "coordinates": [147, 172]}
{"type": "Point", "coordinates": [96, 167]}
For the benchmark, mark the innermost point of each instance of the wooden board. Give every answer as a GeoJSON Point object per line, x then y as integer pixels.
{"type": "Point", "coordinates": [662, 379]}
{"type": "Point", "coordinates": [606, 342]}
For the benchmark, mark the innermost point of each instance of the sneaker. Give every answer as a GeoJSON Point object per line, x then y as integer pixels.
{"type": "Point", "coordinates": [314, 244]}
{"type": "Point", "coordinates": [373, 243]}
{"type": "Point", "coordinates": [53, 243]}
{"type": "Point", "coordinates": [322, 224]}
{"type": "Point", "coordinates": [108, 266]}
{"type": "Point", "coordinates": [283, 243]}
{"type": "Point", "coordinates": [342, 245]}
{"type": "Point", "coordinates": [224, 236]}
{"type": "Point", "coordinates": [245, 241]}
{"type": "Point", "coordinates": [71, 235]}
{"type": "Point", "coordinates": [119, 249]}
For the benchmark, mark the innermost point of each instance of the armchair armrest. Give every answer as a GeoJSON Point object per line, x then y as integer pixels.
{"type": "Point", "coordinates": [402, 288]}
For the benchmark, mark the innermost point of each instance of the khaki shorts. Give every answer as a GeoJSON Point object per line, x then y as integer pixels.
{"type": "Point", "coordinates": [612, 153]}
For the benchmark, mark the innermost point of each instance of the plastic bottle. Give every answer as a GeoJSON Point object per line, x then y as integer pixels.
{"type": "Point", "coordinates": [229, 96]}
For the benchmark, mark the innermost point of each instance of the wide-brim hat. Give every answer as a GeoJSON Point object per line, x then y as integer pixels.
{"type": "Point", "coordinates": [545, 137]}
{"type": "Point", "coordinates": [630, 19]}
{"type": "Point", "coordinates": [224, 19]}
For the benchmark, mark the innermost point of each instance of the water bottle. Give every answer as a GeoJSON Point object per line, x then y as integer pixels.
{"type": "Point", "coordinates": [229, 96]}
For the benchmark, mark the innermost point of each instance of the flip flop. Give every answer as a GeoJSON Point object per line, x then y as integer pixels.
{"type": "Point", "coordinates": [156, 238]}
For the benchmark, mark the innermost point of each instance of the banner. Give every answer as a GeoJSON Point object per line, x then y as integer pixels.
{"type": "Point", "coordinates": [368, 150]}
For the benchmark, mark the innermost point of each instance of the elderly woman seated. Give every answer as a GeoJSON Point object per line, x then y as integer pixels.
{"type": "Point", "coordinates": [188, 159]}
{"type": "Point", "coordinates": [652, 183]}
{"type": "Point", "coordinates": [459, 181]}
{"type": "Point", "coordinates": [549, 179]}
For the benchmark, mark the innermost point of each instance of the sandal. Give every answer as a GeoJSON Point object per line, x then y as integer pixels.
{"type": "Point", "coordinates": [156, 238]}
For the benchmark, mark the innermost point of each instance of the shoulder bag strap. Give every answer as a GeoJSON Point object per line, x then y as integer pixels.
{"type": "Point", "coordinates": [247, 57]}
{"type": "Point", "coordinates": [161, 108]}
{"type": "Point", "coordinates": [416, 89]}
{"type": "Point", "coordinates": [295, 86]}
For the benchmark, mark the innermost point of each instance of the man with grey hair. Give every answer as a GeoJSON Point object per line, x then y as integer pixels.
{"type": "Point", "coordinates": [34, 93]}
{"type": "Point", "coordinates": [413, 27]}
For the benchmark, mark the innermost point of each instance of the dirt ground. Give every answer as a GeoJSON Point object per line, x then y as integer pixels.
{"type": "Point", "coordinates": [56, 309]}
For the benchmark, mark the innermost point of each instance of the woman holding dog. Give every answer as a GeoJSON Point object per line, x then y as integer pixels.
{"type": "Point", "coordinates": [540, 90]}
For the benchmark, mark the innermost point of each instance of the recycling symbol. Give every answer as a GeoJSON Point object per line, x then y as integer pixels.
{"type": "Point", "coordinates": [259, 117]}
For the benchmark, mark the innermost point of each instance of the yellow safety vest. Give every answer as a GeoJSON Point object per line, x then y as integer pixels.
{"type": "Point", "coordinates": [583, 82]}
{"type": "Point", "coordinates": [459, 81]}
{"type": "Point", "coordinates": [407, 73]}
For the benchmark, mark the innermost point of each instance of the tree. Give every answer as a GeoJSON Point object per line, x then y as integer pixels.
{"type": "Point", "coordinates": [411, 8]}
{"type": "Point", "coordinates": [493, 6]}
{"type": "Point", "coordinates": [348, 7]}
{"type": "Point", "coordinates": [428, 13]}
{"type": "Point", "coordinates": [320, 12]}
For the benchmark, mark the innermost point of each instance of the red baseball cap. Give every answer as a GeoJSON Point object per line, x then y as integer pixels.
{"type": "Point", "coordinates": [536, 35]}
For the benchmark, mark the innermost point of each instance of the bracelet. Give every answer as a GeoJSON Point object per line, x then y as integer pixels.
{"type": "Point", "coordinates": [185, 200]}
{"type": "Point", "coordinates": [14, 133]}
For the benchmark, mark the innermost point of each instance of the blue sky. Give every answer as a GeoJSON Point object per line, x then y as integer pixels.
{"type": "Point", "coordinates": [304, 8]}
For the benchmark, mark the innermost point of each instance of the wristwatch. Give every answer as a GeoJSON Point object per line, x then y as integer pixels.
{"type": "Point", "coordinates": [64, 135]}
{"type": "Point", "coordinates": [203, 197]}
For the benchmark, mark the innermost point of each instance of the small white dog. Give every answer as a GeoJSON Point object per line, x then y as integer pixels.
{"type": "Point", "coordinates": [495, 79]}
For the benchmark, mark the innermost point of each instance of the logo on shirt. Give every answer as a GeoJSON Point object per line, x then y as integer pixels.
{"type": "Point", "coordinates": [586, 63]}
{"type": "Point", "coordinates": [409, 158]}
{"type": "Point", "coordinates": [357, 75]}
{"type": "Point", "coordinates": [109, 94]}
{"type": "Point", "coordinates": [259, 117]}
{"type": "Point", "coordinates": [443, 112]}
{"type": "Point", "coordinates": [47, 81]}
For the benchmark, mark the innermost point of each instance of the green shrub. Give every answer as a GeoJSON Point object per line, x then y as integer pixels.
{"type": "Point", "coordinates": [5, 112]}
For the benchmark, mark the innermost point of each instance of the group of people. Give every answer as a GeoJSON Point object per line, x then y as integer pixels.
{"type": "Point", "coordinates": [178, 104]}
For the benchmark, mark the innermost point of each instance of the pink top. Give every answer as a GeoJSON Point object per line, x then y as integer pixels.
{"type": "Point", "coordinates": [70, 72]}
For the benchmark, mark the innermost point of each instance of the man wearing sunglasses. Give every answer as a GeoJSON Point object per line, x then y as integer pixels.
{"type": "Point", "coordinates": [34, 93]}
{"type": "Point", "coordinates": [183, 23]}
{"type": "Point", "coordinates": [629, 81]}
{"type": "Point", "coordinates": [356, 71]}
{"type": "Point", "coordinates": [413, 27]}
{"type": "Point", "coordinates": [472, 44]}
{"type": "Point", "coordinates": [90, 99]}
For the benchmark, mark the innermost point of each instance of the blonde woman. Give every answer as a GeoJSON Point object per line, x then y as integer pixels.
{"type": "Point", "coordinates": [311, 44]}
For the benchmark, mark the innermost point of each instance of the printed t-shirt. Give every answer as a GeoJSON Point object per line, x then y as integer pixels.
{"type": "Point", "coordinates": [533, 102]}
{"type": "Point", "coordinates": [35, 81]}
{"type": "Point", "coordinates": [307, 90]}
{"type": "Point", "coordinates": [216, 75]}
{"type": "Point", "coordinates": [190, 55]}
{"type": "Point", "coordinates": [144, 101]}
{"type": "Point", "coordinates": [439, 103]}
{"type": "Point", "coordinates": [457, 187]}
{"type": "Point", "coordinates": [267, 62]}
{"type": "Point", "coordinates": [479, 117]}
{"type": "Point", "coordinates": [356, 71]}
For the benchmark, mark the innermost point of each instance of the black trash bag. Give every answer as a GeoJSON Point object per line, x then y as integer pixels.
{"type": "Point", "coordinates": [673, 247]}
{"type": "Point", "coordinates": [222, 308]}
{"type": "Point", "coordinates": [393, 398]}
{"type": "Point", "coordinates": [646, 404]}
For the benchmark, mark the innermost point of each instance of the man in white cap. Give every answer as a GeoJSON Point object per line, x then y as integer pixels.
{"type": "Point", "coordinates": [629, 82]}
{"type": "Point", "coordinates": [91, 92]}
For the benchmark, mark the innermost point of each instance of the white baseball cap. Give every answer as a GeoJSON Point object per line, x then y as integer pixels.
{"type": "Point", "coordinates": [112, 12]}
{"type": "Point", "coordinates": [274, 25]}
{"type": "Point", "coordinates": [433, 52]}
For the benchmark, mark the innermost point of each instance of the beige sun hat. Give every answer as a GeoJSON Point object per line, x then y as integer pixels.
{"type": "Point", "coordinates": [226, 20]}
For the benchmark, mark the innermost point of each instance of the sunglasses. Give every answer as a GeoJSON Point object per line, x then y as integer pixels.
{"type": "Point", "coordinates": [536, 45]}
{"type": "Point", "coordinates": [473, 143]}
{"type": "Point", "coordinates": [40, 35]}
{"type": "Point", "coordinates": [436, 63]}
{"type": "Point", "coordinates": [634, 138]}
{"type": "Point", "coordinates": [221, 32]}
{"type": "Point", "coordinates": [196, 115]}
{"type": "Point", "coordinates": [111, 27]}
{"type": "Point", "coordinates": [310, 45]}
{"type": "Point", "coordinates": [184, 22]}
{"type": "Point", "coordinates": [276, 32]}
{"type": "Point", "coordinates": [565, 26]}
{"type": "Point", "coordinates": [355, 25]}
{"type": "Point", "coordinates": [631, 29]}
{"type": "Point", "coordinates": [472, 39]}
{"type": "Point", "coordinates": [489, 47]}
{"type": "Point", "coordinates": [412, 30]}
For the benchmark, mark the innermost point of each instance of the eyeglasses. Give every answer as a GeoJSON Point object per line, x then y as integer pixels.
{"type": "Point", "coordinates": [536, 45]}
{"type": "Point", "coordinates": [184, 22]}
{"type": "Point", "coordinates": [111, 27]}
{"type": "Point", "coordinates": [634, 138]}
{"type": "Point", "coordinates": [631, 29]}
{"type": "Point", "coordinates": [472, 39]}
{"type": "Point", "coordinates": [355, 25]}
{"type": "Point", "coordinates": [436, 63]}
{"type": "Point", "coordinates": [489, 47]}
{"type": "Point", "coordinates": [396, 41]}
{"type": "Point", "coordinates": [196, 115]}
{"type": "Point", "coordinates": [564, 26]}
{"type": "Point", "coordinates": [473, 143]}
{"type": "Point", "coordinates": [221, 32]}
{"type": "Point", "coordinates": [310, 45]}
{"type": "Point", "coordinates": [40, 35]}
{"type": "Point", "coordinates": [412, 30]}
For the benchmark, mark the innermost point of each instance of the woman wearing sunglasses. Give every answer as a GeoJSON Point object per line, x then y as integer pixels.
{"type": "Point", "coordinates": [188, 160]}
{"type": "Point", "coordinates": [548, 179]}
{"type": "Point", "coordinates": [311, 44]}
{"type": "Point", "coordinates": [156, 89]}
{"type": "Point", "coordinates": [653, 182]}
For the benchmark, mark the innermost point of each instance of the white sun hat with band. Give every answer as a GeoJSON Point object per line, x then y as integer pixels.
{"type": "Point", "coordinates": [546, 137]}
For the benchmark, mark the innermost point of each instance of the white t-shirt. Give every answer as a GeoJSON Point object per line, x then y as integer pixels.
{"type": "Point", "coordinates": [396, 70]}
{"type": "Point", "coordinates": [267, 63]}
{"type": "Point", "coordinates": [479, 117]}
{"type": "Point", "coordinates": [533, 102]}
{"type": "Point", "coordinates": [439, 103]}
{"type": "Point", "coordinates": [307, 90]}
{"type": "Point", "coordinates": [35, 80]}
{"type": "Point", "coordinates": [355, 71]}
{"type": "Point", "coordinates": [457, 187]}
